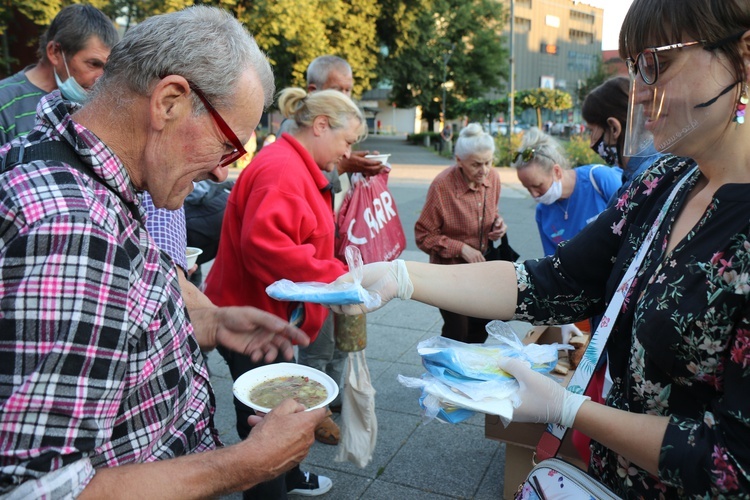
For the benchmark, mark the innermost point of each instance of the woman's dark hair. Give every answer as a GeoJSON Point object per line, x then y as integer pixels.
{"type": "Point", "coordinates": [610, 99]}
{"type": "Point", "coordinates": [651, 23]}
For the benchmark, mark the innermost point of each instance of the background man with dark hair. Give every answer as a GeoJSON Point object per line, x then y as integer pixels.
{"type": "Point", "coordinates": [72, 53]}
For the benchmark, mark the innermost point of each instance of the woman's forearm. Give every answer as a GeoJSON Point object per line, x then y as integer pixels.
{"type": "Point", "coordinates": [483, 290]}
{"type": "Point", "coordinates": [635, 436]}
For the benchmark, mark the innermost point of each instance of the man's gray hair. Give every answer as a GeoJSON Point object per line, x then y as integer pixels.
{"type": "Point", "coordinates": [320, 67]}
{"type": "Point", "coordinates": [206, 45]}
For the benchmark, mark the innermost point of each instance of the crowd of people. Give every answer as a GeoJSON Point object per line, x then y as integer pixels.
{"type": "Point", "coordinates": [675, 243]}
{"type": "Point", "coordinates": [104, 385]}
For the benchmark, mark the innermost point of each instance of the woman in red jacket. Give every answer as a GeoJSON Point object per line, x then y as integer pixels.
{"type": "Point", "coordinates": [278, 224]}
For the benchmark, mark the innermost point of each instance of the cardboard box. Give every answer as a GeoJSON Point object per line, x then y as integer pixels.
{"type": "Point", "coordinates": [521, 439]}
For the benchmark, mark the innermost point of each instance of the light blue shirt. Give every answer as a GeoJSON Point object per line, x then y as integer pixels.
{"type": "Point", "coordinates": [563, 219]}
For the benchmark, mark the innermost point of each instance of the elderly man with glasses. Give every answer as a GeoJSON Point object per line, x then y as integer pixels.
{"type": "Point", "coordinates": [103, 387]}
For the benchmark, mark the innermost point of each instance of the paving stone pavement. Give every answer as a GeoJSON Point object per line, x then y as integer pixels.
{"type": "Point", "coordinates": [412, 459]}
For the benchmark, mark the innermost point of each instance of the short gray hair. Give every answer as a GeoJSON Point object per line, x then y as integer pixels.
{"type": "Point", "coordinates": [548, 151]}
{"type": "Point", "coordinates": [320, 67]}
{"type": "Point", "coordinates": [473, 139]}
{"type": "Point", "coordinates": [206, 45]}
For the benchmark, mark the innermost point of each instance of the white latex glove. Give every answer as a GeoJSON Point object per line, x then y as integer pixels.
{"type": "Point", "coordinates": [569, 331]}
{"type": "Point", "coordinates": [387, 279]}
{"type": "Point", "coordinates": [543, 400]}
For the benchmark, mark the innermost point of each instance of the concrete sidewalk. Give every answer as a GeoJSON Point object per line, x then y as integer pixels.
{"type": "Point", "coordinates": [412, 460]}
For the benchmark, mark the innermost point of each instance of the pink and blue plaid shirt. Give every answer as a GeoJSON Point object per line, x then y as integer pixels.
{"type": "Point", "coordinates": [99, 366]}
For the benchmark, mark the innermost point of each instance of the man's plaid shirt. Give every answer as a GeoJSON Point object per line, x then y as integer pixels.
{"type": "Point", "coordinates": [99, 366]}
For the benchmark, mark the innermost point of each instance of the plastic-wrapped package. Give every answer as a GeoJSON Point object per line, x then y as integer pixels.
{"type": "Point", "coordinates": [449, 403]}
{"type": "Point", "coordinates": [457, 361]}
{"type": "Point", "coordinates": [328, 293]}
{"type": "Point", "coordinates": [465, 378]}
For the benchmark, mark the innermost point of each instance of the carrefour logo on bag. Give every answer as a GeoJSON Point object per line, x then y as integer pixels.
{"type": "Point", "coordinates": [375, 216]}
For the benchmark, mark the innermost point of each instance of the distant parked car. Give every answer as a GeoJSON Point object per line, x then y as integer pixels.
{"type": "Point", "coordinates": [557, 128]}
{"type": "Point", "coordinates": [495, 128]}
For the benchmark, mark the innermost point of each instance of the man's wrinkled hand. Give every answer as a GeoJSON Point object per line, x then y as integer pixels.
{"type": "Point", "coordinates": [284, 435]}
{"type": "Point", "coordinates": [256, 333]}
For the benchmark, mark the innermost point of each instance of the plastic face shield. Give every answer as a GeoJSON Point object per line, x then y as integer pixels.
{"type": "Point", "coordinates": [673, 93]}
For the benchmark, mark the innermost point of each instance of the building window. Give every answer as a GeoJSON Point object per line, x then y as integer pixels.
{"type": "Point", "coordinates": [552, 21]}
{"type": "Point", "coordinates": [549, 49]}
{"type": "Point", "coordinates": [585, 17]}
{"type": "Point", "coordinates": [523, 3]}
{"type": "Point", "coordinates": [580, 62]}
{"type": "Point", "coordinates": [582, 37]}
{"type": "Point", "coordinates": [522, 25]}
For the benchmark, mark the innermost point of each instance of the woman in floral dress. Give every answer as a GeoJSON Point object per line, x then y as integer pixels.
{"type": "Point", "coordinates": [676, 423]}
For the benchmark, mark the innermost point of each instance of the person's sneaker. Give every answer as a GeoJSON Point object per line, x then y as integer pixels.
{"type": "Point", "coordinates": [312, 486]}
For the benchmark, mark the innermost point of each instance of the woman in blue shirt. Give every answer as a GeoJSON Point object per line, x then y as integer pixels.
{"type": "Point", "coordinates": [568, 199]}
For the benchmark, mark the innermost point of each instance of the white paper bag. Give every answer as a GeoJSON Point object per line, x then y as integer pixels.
{"type": "Point", "coordinates": [359, 425]}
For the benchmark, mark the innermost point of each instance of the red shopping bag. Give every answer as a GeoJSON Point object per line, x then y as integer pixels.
{"type": "Point", "coordinates": [368, 219]}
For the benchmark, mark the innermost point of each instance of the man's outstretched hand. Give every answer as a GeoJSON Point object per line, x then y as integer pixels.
{"type": "Point", "coordinates": [248, 331]}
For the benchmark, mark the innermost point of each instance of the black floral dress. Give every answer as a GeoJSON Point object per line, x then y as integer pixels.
{"type": "Point", "coordinates": [681, 344]}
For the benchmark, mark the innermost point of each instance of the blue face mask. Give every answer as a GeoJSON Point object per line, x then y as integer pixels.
{"type": "Point", "coordinates": [70, 88]}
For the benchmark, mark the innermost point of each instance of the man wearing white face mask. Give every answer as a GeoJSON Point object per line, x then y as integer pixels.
{"type": "Point", "coordinates": [568, 198]}
{"type": "Point", "coordinates": [72, 53]}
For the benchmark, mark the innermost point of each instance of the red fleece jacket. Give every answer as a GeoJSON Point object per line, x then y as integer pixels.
{"type": "Point", "coordinates": [278, 224]}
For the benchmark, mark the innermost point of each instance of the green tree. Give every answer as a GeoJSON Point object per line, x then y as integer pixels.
{"type": "Point", "coordinates": [538, 99]}
{"type": "Point", "coordinates": [482, 110]}
{"type": "Point", "coordinates": [40, 12]}
{"type": "Point", "coordinates": [294, 32]}
{"type": "Point", "coordinates": [579, 152]}
{"type": "Point", "coordinates": [597, 77]}
{"type": "Point", "coordinates": [430, 32]}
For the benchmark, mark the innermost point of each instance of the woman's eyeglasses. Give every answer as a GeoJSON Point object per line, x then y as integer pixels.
{"type": "Point", "coordinates": [647, 62]}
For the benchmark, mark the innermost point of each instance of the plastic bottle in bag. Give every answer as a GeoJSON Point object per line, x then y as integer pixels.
{"type": "Point", "coordinates": [350, 332]}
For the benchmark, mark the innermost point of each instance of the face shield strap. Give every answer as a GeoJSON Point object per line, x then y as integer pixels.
{"type": "Point", "coordinates": [708, 103]}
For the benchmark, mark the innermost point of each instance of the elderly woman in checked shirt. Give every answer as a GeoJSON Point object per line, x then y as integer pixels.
{"type": "Point", "coordinates": [460, 218]}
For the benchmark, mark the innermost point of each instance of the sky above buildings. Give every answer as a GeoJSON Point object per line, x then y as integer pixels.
{"type": "Point", "coordinates": [614, 13]}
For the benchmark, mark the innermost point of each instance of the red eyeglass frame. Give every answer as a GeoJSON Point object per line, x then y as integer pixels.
{"type": "Point", "coordinates": [239, 148]}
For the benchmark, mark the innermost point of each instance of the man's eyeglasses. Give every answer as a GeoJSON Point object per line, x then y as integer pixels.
{"type": "Point", "coordinates": [528, 154]}
{"type": "Point", "coordinates": [239, 149]}
{"type": "Point", "coordinates": [647, 62]}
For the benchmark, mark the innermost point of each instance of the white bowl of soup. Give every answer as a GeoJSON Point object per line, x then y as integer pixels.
{"type": "Point", "coordinates": [263, 388]}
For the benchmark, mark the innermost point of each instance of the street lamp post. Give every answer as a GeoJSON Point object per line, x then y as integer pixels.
{"type": "Point", "coordinates": [511, 104]}
{"type": "Point", "coordinates": [446, 58]}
